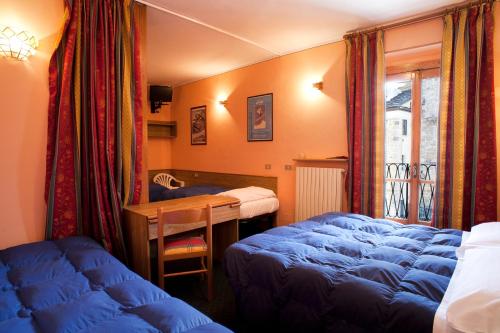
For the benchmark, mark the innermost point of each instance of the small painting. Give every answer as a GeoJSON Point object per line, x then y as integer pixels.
{"type": "Point", "coordinates": [260, 118]}
{"type": "Point", "coordinates": [199, 125]}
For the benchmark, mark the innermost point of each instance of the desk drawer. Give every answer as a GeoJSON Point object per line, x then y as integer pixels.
{"type": "Point", "coordinates": [226, 213]}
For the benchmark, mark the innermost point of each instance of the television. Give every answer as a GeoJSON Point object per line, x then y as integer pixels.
{"type": "Point", "coordinates": [158, 96]}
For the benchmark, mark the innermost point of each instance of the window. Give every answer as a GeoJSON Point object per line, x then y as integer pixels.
{"type": "Point", "coordinates": [411, 142]}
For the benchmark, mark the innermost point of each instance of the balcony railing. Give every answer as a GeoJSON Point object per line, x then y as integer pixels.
{"type": "Point", "coordinates": [397, 190]}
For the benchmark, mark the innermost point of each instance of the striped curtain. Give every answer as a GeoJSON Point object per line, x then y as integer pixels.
{"type": "Point", "coordinates": [95, 123]}
{"type": "Point", "coordinates": [467, 186]}
{"type": "Point", "coordinates": [365, 75]}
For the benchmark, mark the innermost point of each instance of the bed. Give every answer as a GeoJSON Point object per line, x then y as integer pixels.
{"type": "Point", "coordinates": [257, 194]}
{"type": "Point", "coordinates": [74, 285]}
{"type": "Point", "coordinates": [343, 273]}
{"type": "Point", "coordinates": [254, 200]}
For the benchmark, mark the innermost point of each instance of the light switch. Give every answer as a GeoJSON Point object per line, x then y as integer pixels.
{"type": "Point", "coordinates": [267, 166]}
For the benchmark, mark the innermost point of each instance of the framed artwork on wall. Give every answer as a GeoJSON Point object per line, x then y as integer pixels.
{"type": "Point", "coordinates": [199, 125]}
{"type": "Point", "coordinates": [260, 118]}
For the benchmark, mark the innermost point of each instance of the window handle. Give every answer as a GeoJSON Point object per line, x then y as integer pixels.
{"type": "Point", "coordinates": [415, 170]}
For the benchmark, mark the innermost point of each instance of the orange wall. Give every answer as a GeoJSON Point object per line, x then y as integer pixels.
{"type": "Point", "coordinates": [23, 122]}
{"type": "Point", "coordinates": [159, 149]}
{"type": "Point", "coordinates": [413, 35]}
{"type": "Point", "coordinates": [306, 121]}
{"type": "Point", "coordinates": [314, 125]}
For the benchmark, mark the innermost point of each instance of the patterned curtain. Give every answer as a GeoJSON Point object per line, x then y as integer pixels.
{"type": "Point", "coordinates": [365, 75]}
{"type": "Point", "coordinates": [467, 186]}
{"type": "Point", "coordinates": [95, 123]}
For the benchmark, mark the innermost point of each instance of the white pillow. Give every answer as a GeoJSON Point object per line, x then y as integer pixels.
{"type": "Point", "coordinates": [251, 193]}
{"type": "Point", "coordinates": [481, 235]}
{"type": "Point", "coordinates": [485, 233]}
{"type": "Point", "coordinates": [475, 303]}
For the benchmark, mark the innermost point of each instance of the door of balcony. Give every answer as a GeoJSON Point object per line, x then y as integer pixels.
{"type": "Point", "coordinates": [411, 145]}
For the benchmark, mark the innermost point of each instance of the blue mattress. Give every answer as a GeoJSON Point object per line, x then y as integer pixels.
{"type": "Point", "coordinates": [343, 273]}
{"type": "Point", "coordinates": [74, 285]}
{"type": "Point", "coordinates": [159, 193]}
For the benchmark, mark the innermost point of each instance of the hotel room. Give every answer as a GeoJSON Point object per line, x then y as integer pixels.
{"type": "Point", "coordinates": [241, 166]}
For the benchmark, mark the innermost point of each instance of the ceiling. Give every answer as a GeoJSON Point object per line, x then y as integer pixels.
{"type": "Point", "coordinates": [188, 40]}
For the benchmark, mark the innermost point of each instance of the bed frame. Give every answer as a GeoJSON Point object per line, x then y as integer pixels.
{"type": "Point", "coordinates": [227, 180]}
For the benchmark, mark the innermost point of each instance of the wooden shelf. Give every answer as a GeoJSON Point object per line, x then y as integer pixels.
{"type": "Point", "coordinates": [321, 159]}
{"type": "Point", "coordinates": [162, 129]}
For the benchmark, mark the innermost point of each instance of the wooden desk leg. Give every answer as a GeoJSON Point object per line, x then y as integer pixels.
{"type": "Point", "coordinates": [224, 235]}
{"type": "Point", "coordinates": [137, 242]}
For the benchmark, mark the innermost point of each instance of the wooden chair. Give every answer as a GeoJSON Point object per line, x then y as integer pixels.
{"type": "Point", "coordinates": [187, 247]}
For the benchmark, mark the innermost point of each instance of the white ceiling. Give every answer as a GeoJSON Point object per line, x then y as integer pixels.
{"type": "Point", "coordinates": [192, 39]}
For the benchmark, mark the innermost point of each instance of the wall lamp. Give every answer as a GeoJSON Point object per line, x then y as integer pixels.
{"type": "Point", "coordinates": [18, 45]}
{"type": "Point", "coordinates": [318, 85]}
{"type": "Point", "coordinates": [224, 102]}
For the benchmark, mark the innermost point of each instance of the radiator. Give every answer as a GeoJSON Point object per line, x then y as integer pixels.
{"type": "Point", "coordinates": [318, 190]}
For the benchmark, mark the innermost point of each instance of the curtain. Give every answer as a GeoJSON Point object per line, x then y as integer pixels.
{"type": "Point", "coordinates": [365, 75]}
{"type": "Point", "coordinates": [467, 168]}
{"type": "Point", "coordinates": [94, 157]}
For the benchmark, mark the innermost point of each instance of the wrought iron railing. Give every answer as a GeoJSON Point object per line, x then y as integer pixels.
{"type": "Point", "coordinates": [397, 190]}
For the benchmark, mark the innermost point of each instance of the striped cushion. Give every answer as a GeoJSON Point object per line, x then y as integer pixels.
{"type": "Point", "coordinates": [185, 245]}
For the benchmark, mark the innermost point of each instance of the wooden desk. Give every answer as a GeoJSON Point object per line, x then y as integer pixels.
{"type": "Point", "coordinates": [141, 226]}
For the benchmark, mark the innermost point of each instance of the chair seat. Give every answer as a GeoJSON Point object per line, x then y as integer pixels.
{"type": "Point", "coordinates": [185, 246]}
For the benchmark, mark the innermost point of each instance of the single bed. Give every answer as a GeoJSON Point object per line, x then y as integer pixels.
{"type": "Point", "coordinates": [343, 273]}
{"type": "Point", "coordinates": [74, 285]}
{"type": "Point", "coordinates": [257, 194]}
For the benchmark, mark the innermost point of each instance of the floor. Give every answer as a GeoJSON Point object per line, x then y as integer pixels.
{"type": "Point", "coordinates": [192, 290]}
{"type": "Point", "coordinates": [222, 308]}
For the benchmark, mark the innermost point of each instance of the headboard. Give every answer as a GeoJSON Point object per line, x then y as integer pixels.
{"type": "Point", "coordinates": [228, 180]}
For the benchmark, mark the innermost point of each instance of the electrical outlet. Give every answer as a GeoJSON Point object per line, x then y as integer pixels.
{"type": "Point", "coordinates": [196, 175]}
{"type": "Point", "coordinates": [267, 166]}
{"type": "Point", "coordinates": [288, 167]}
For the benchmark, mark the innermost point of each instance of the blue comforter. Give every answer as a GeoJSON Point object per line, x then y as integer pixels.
{"type": "Point", "coordinates": [159, 193]}
{"type": "Point", "coordinates": [343, 273]}
{"type": "Point", "coordinates": [74, 285]}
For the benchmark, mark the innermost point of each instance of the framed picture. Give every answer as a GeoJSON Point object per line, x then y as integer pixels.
{"type": "Point", "coordinates": [260, 118]}
{"type": "Point", "coordinates": [199, 125]}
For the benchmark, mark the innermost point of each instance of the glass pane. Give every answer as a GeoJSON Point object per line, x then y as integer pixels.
{"type": "Point", "coordinates": [398, 136]}
{"type": "Point", "coordinates": [428, 146]}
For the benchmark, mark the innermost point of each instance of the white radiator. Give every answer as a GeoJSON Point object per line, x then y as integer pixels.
{"type": "Point", "coordinates": [318, 190]}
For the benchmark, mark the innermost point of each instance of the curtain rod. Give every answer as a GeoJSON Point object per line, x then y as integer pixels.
{"type": "Point", "coordinates": [418, 19]}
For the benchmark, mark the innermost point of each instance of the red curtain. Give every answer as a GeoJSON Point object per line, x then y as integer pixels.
{"type": "Point", "coordinates": [365, 76]}
{"type": "Point", "coordinates": [467, 186]}
{"type": "Point", "coordinates": [94, 144]}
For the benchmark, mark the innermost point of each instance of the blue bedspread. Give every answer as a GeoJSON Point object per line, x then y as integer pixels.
{"type": "Point", "coordinates": [343, 273]}
{"type": "Point", "coordinates": [74, 285]}
{"type": "Point", "coordinates": [159, 193]}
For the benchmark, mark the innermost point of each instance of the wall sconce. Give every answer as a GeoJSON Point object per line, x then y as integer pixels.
{"type": "Point", "coordinates": [224, 102]}
{"type": "Point", "coordinates": [17, 45]}
{"type": "Point", "coordinates": [318, 85]}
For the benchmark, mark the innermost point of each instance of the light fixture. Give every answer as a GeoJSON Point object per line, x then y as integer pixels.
{"type": "Point", "coordinates": [224, 102]}
{"type": "Point", "coordinates": [318, 85]}
{"type": "Point", "coordinates": [18, 45]}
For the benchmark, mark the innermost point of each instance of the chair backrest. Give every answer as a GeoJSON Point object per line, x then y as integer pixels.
{"type": "Point", "coordinates": [167, 181]}
{"type": "Point", "coordinates": [184, 216]}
